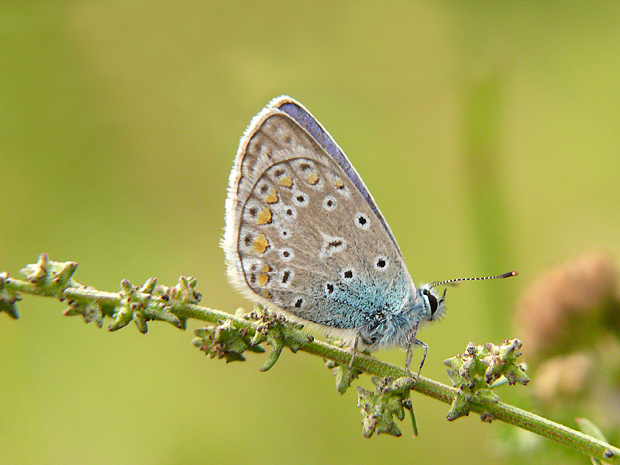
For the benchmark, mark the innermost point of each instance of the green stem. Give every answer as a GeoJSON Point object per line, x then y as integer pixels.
{"type": "Point", "coordinates": [500, 411]}
{"type": "Point", "coordinates": [184, 310]}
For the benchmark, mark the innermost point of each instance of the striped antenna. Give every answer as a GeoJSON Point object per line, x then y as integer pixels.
{"type": "Point", "coordinates": [456, 280]}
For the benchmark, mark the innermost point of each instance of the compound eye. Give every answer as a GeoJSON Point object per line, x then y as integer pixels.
{"type": "Point", "coordinates": [432, 300]}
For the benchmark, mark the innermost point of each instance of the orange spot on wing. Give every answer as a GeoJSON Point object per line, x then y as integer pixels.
{"type": "Point", "coordinates": [272, 197]}
{"type": "Point", "coordinates": [262, 279]}
{"type": "Point", "coordinates": [285, 181]}
{"type": "Point", "coordinates": [264, 217]}
{"type": "Point", "coordinates": [260, 244]}
{"type": "Point", "coordinates": [313, 178]}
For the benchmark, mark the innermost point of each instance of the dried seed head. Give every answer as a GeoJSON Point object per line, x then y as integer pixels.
{"type": "Point", "coordinates": [570, 304]}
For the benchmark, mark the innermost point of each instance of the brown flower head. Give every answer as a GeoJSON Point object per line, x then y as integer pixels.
{"type": "Point", "coordinates": [569, 307]}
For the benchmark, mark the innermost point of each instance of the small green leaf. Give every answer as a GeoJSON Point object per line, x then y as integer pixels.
{"type": "Point", "coordinates": [50, 276]}
{"type": "Point", "coordinates": [122, 317]}
{"type": "Point", "coordinates": [459, 407]}
{"type": "Point", "coordinates": [379, 407]}
{"type": "Point", "coordinates": [479, 369]}
{"type": "Point", "coordinates": [8, 300]}
{"type": "Point", "coordinates": [149, 286]}
{"type": "Point", "coordinates": [344, 375]}
{"type": "Point", "coordinates": [589, 428]}
{"type": "Point", "coordinates": [225, 341]}
{"type": "Point", "coordinates": [279, 333]}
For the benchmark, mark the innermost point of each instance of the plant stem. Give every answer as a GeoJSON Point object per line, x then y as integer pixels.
{"type": "Point", "coordinates": [184, 310]}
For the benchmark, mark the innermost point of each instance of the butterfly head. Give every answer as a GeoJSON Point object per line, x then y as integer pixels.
{"type": "Point", "coordinates": [433, 305]}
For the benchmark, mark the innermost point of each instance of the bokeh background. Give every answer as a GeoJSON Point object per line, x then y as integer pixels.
{"type": "Point", "coordinates": [488, 133]}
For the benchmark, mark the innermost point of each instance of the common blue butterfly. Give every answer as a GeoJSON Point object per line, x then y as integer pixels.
{"type": "Point", "coordinates": [305, 237]}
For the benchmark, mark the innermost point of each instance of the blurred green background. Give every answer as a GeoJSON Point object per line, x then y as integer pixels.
{"type": "Point", "coordinates": [488, 133]}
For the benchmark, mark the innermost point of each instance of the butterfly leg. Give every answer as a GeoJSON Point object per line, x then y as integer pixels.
{"type": "Point", "coordinates": [425, 347]}
{"type": "Point", "coordinates": [415, 341]}
{"type": "Point", "coordinates": [353, 353]}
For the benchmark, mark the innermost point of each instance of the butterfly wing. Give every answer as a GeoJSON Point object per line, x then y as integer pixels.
{"type": "Point", "coordinates": [303, 117]}
{"type": "Point", "coordinates": [303, 235]}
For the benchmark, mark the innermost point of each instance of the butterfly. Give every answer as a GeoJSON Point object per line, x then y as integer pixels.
{"type": "Point", "coordinates": [305, 238]}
